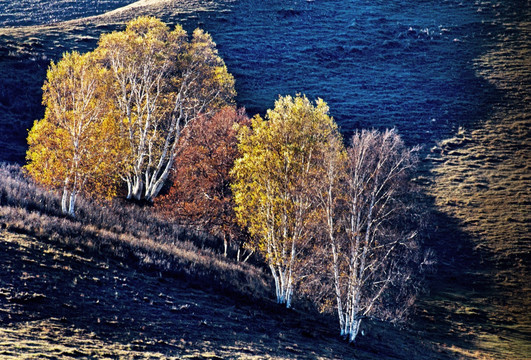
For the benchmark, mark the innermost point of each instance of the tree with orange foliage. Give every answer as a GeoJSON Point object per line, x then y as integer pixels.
{"type": "Point", "coordinates": [200, 193]}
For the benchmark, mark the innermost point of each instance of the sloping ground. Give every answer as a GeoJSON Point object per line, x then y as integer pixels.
{"type": "Point", "coordinates": [117, 281]}
{"type": "Point", "coordinates": [65, 303]}
{"type": "Point", "coordinates": [58, 302]}
{"type": "Point", "coordinates": [486, 185]}
{"type": "Point", "coordinates": [483, 181]}
{"type": "Point", "coordinates": [34, 12]}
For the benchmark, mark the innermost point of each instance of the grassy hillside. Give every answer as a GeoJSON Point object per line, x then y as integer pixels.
{"type": "Point", "coordinates": [63, 302]}
{"type": "Point", "coordinates": [66, 282]}
{"type": "Point", "coordinates": [482, 180]}
{"type": "Point", "coordinates": [118, 282]}
{"type": "Point", "coordinates": [35, 12]}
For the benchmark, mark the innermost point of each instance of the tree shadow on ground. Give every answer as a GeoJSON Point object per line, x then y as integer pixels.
{"type": "Point", "coordinates": [454, 310]}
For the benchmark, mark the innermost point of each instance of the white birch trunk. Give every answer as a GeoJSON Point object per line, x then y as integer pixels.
{"type": "Point", "coordinates": [72, 203]}
{"type": "Point", "coordinates": [225, 245]}
{"type": "Point", "coordinates": [283, 285]}
{"type": "Point", "coordinates": [64, 200]}
{"type": "Point", "coordinates": [136, 192]}
{"type": "Point", "coordinates": [129, 189]}
{"type": "Point", "coordinates": [354, 330]}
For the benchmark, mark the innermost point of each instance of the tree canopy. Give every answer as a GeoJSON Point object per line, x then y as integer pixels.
{"type": "Point", "coordinates": [200, 192]}
{"type": "Point", "coordinates": [275, 181]}
{"type": "Point", "coordinates": [118, 112]}
{"type": "Point", "coordinates": [161, 82]}
{"type": "Point", "coordinates": [76, 146]}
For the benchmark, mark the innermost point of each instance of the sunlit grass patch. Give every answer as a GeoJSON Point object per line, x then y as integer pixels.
{"type": "Point", "coordinates": [58, 340]}
{"type": "Point", "coordinates": [483, 182]}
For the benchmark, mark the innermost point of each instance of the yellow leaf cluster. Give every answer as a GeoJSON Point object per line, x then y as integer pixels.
{"type": "Point", "coordinates": [277, 174]}
{"type": "Point", "coordinates": [75, 146]}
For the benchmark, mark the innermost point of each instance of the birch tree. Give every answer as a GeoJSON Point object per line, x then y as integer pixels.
{"type": "Point", "coordinates": [162, 82]}
{"type": "Point", "coordinates": [321, 271]}
{"type": "Point", "coordinates": [274, 184]}
{"type": "Point", "coordinates": [75, 147]}
{"type": "Point", "coordinates": [373, 257]}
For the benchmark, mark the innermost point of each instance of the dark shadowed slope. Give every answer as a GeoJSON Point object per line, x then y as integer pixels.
{"type": "Point", "coordinates": [62, 302]}
{"type": "Point", "coordinates": [116, 286]}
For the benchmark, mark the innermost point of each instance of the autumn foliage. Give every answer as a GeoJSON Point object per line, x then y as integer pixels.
{"type": "Point", "coordinates": [76, 147]}
{"type": "Point", "coordinates": [275, 185]}
{"type": "Point", "coordinates": [152, 108]}
{"type": "Point", "coordinates": [117, 113]}
{"type": "Point", "coordinates": [162, 80]}
{"type": "Point", "coordinates": [200, 192]}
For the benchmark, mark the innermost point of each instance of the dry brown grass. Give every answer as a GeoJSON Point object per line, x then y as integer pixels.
{"type": "Point", "coordinates": [482, 178]}
{"type": "Point", "coordinates": [125, 231]}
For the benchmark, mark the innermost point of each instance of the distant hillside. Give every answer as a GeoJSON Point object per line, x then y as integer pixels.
{"type": "Point", "coordinates": [42, 12]}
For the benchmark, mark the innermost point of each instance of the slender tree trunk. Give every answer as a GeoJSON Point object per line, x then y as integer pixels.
{"type": "Point", "coordinates": [337, 285]}
{"type": "Point", "coordinates": [241, 255]}
{"type": "Point", "coordinates": [137, 188]}
{"type": "Point", "coordinates": [289, 282]}
{"type": "Point", "coordinates": [129, 189]}
{"type": "Point", "coordinates": [248, 256]}
{"type": "Point", "coordinates": [354, 330]}
{"type": "Point", "coordinates": [72, 203]}
{"type": "Point", "coordinates": [277, 283]}
{"type": "Point", "coordinates": [64, 201]}
{"type": "Point", "coordinates": [225, 245]}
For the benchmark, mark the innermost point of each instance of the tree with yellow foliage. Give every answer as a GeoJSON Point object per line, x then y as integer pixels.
{"type": "Point", "coordinates": [118, 112]}
{"type": "Point", "coordinates": [76, 146]}
{"type": "Point", "coordinates": [276, 180]}
{"type": "Point", "coordinates": [161, 82]}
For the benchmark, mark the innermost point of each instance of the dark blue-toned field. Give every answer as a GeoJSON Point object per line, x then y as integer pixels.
{"type": "Point", "coordinates": [30, 12]}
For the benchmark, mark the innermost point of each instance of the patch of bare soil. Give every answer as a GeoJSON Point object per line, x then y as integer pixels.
{"type": "Point", "coordinates": [61, 303]}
